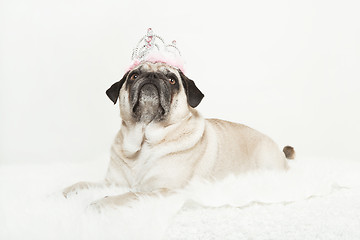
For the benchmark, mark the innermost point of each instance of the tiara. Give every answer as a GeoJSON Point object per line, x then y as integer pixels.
{"type": "Point", "coordinates": [152, 48]}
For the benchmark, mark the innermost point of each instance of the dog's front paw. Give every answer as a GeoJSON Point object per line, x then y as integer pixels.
{"type": "Point", "coordinates": [75, 189]}
{"type": "Point", "coordinates": [124, 200]}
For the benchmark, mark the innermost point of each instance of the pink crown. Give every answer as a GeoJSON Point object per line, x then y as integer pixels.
{"type": "Point", "coordinates": [152, 48]}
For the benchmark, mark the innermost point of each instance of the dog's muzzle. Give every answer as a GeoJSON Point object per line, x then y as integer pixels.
{"type": "Point", "coordinates": [151, 95]}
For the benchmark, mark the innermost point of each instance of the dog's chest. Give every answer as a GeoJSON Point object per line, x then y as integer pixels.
{"type": "Point", "coordinates": [142, 165]}
{"type": "Point", "coordinates": [151, 170]}
{"type": "Point", "coordinates": [153, 157]}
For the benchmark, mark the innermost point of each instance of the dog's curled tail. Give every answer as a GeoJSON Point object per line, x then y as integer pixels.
{"type": "Point", "coordinates": [289, 152]}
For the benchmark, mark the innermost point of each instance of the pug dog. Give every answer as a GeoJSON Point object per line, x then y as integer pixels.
{"type": "Point", "coordinates": [164, 143]}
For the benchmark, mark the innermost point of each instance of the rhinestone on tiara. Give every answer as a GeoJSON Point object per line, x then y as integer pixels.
{"type": "Point", "coordinates": [151, 43]}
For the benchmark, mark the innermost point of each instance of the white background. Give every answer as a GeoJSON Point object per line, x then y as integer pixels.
{"type": "Point", "coordinates": [287, 68]}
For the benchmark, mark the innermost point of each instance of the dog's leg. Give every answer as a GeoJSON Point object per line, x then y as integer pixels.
{"type": "Point", "coordinates": [127, 199]}
{"type": "Point", "coordinates": [77, 187]}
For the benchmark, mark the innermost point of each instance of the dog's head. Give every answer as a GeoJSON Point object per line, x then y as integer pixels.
{"type": "Point", "coordinates": [154, 92]}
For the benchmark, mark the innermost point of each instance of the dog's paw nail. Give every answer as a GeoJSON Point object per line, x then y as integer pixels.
{"type": "Point", "coordinates": [66, 194]}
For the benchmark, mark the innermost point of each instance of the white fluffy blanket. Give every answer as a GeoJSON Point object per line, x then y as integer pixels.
{"type": "Point", "coordinates": [315, 199]}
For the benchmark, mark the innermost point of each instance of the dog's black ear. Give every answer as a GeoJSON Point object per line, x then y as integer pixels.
{"type": "Point", "coordinates": [114, 90]}
{"type": "Point", "coordinates": [194, 95]}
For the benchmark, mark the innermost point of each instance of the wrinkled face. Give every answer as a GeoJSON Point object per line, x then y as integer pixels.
{"type": "Point", "coordinates": [151, 89]}
{"type": "Point", "coordinates": [154, 92]}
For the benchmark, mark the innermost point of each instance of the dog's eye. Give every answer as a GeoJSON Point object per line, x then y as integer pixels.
{"type": "Point", "coordinates": [134, 76]}
{"type": "Point", "coordinates": [172, 81]}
